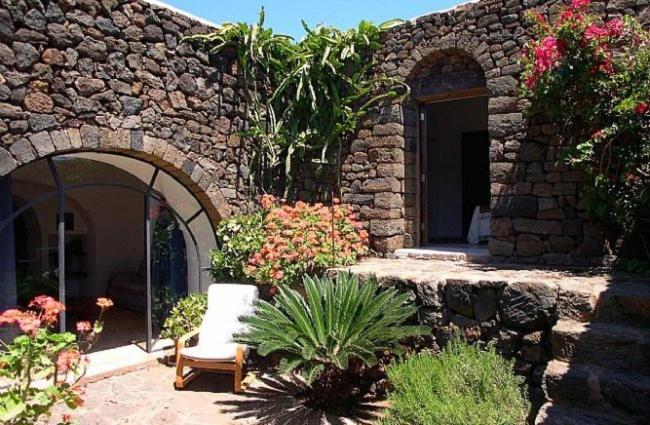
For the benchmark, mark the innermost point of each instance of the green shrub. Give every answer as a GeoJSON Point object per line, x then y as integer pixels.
{"type": "Point", "coordinates": [330, 334]}
{"type": "Point", "coordinates": [462, 386]}
{"type": "Point", "coordinates": [185, 316]}
{"type": "Point", "coordinates": [239, 238]}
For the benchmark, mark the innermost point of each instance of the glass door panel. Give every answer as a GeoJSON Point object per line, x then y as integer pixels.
{"type": "Point", "coordinates": [168, 266]}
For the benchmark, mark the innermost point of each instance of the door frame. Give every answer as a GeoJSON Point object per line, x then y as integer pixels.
{"type": "Point", "coordinates": [422, 224]}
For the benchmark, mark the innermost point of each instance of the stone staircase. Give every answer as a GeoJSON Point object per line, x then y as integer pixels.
{"type": "Point", "coordinates": [600, 367]}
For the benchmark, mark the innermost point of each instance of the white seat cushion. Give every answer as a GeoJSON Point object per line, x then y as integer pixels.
{"type": "Point", "coordinates": [216, 352]}
{"type": "Point", "coordinates": [226, 304]}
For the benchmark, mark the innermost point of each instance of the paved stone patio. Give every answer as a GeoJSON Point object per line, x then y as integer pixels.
{"type": "Point", "coordinates": [148, 397]}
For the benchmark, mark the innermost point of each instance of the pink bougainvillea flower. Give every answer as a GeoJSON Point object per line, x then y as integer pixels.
{"type": "Point", "coordinates": [84, 326]}
{"type": "Point", "coordinates": [595, 32]}
{"type": "Point", "coordinates": [547, 54]}
{"type": "Point", "coordinates": [580, 4]}
{"type": "Point", "coordinates": [642, 108]}
{"type": "Point", "coordinates": [614, 27]}
{"type": "Point", "coordinates": [104, 303]}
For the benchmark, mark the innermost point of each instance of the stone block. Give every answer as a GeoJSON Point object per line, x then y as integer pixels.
{"type": "Point", "coordinates": [538, 227]}
{"type": "Point", "coordinates": [388, 244]}
{"type": "Point", "coordinates": [530, 245]}
{"type": "Point", "coordinates": [388, 200]}
{"type": "Point", "coordinates": [501, 227]}
{"type": "Point", "coordinates": [42, 143]}
{"type": "Point", "coordinates": [381, 184]}
{"type": "Point", "coordinates": [7, 162]}
{"type": "Point", "coordinates": [514, 206]}
{"type": "Point", "coordinates": [386, 228]}
{"type": "Point", "coordinates": [60, 140]}
{"type": "Point", "coordinates": [89, 136]}
{"type": "Point", "coordinates": [528, 306]}
{"type": "Point", "coordinates": [500, 248]}
{"type": "Point", "coordinates": [460, 297]}
{"type": "Point", "coordinates": [485, 304]}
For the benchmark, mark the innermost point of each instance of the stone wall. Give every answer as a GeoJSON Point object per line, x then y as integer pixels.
{"type": "Point", "coordinates": [538, 215]}
{"type": "Point", "coordinates": [514, 309]}
{"type": "Point", "coordinates": [113, 75]}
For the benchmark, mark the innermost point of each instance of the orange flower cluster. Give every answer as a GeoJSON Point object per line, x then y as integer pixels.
{"type": "Point", "coordinates": [305, 238]}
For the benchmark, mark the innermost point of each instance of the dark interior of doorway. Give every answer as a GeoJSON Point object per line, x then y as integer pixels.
{"type": "Point", "coordinates": [456, 177]}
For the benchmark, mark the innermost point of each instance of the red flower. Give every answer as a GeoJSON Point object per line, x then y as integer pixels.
{"type": "Point", "coordinates": [642, 108]}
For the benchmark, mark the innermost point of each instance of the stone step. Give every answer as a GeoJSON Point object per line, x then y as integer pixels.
{"type": "Point", "coordinates": [620, 347]}
{"type": "Point", "coordinates": [557, 414]}
{"type": "Point", "coordinates": [593, 386]}
{"type": "Point", "coordinates": [621, 301]}
{"type": "Point", "coordinates": [462, 253]}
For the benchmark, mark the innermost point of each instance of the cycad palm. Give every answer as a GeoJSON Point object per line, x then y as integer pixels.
{"type": "Point", "coordinates": [318, 335]}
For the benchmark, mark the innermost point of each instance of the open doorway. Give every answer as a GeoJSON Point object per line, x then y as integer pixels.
{"type": "Point", "coordinates": [455, 175]}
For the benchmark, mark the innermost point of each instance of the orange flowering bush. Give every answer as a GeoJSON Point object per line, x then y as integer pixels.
{"type": "Point", "coordinates": [41, 354]}
{"type": "Point", "coordinates": [305, 239]}
{"type": "Point", "coordinates": [282, 242]}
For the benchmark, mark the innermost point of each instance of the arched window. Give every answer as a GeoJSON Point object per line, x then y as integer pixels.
{"type": "Point", "coordinates": [90, 224]}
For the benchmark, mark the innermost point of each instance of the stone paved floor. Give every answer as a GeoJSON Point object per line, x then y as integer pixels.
{"type": "Point", "coordinates": [147, 397]}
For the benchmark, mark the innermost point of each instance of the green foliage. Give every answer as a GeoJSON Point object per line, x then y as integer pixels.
{"type": "Point", "coordinates": [593, 78]}
{"type": "Point", "coordinates": [239, 237]}
{"type": "Point", "coordinates": [463, 386]}
{"type": "Point", "coordinates": [27, 359]}
{"type": "Point", "coordinates": [320, 335]}
{"type": "Point", "coordinates": [40, 368]}
{"type": "Point", "coordinates": [304, 98]}
{"type": "Point", "coordinates": [185, 316]}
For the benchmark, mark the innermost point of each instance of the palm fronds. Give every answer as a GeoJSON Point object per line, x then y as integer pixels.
{"type": "Point", "coordinates": [334, 322]}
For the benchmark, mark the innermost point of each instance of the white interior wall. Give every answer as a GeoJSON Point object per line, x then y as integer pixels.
{"type": "Point", "coordinates": [117, 245]}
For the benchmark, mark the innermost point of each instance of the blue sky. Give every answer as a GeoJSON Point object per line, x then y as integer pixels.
{"type": "Point", "coordinates": [284, 15]}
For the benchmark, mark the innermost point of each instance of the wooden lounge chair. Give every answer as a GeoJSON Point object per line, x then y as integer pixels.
{"type": "Point", "coordinates": [216, 349]}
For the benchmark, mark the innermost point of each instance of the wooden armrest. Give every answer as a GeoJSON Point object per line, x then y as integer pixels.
{"type": "Point", "coordinates": [180, 342]}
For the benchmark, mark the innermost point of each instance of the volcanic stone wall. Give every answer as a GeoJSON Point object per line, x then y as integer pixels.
{"type": "Point", "coordinates": [538, 214]}
{"type": "Point", "coordinates": [114, 75]}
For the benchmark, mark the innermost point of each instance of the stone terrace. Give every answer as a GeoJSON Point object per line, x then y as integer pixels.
{"type": "Point", "coordinates": [580, 338]}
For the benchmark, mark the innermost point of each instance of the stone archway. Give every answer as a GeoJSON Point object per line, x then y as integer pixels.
{"type": "Point", "coordinates": [197, 173]}
{"type": "Point", "coordinates": [441, 75]}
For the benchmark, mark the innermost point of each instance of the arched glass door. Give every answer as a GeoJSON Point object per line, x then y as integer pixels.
{"type": "Point", "coordinates": [77, 220]}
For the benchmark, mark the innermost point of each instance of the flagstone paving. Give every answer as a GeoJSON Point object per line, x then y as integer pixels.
{"type": "Point", "coordinates": [147, 397]}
